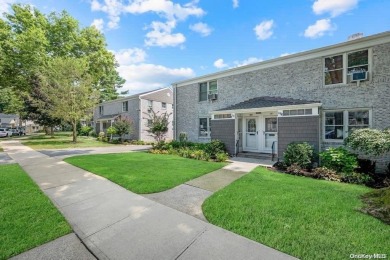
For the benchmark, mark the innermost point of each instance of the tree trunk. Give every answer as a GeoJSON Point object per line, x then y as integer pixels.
{"type": "Point", "coordinates": [46, 130]}
{"type": "Point", "coordinates": [52, 131]}
{"type": "Point", "coordinates": [74, 124]}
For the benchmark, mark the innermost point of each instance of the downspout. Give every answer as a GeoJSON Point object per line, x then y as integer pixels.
{"type": "Point", "coordinates": [175, 111]}
{"type": "Point", "coordinates": [140, 118]}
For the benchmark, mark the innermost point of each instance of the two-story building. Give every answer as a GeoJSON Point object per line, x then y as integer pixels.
{"type": "Point", "coordinates": [136, 107]}
{"type": "Point", "coordinates": [317, 96]}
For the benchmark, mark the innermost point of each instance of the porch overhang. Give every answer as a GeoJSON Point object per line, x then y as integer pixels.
{"type": "Point", "coordinates": [266, 104]}
{"type": "Point", "coordinates": [106, 118]}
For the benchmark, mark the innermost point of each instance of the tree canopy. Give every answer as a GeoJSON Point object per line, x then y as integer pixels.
{"type": "Point", "coordinates": [29, 39]}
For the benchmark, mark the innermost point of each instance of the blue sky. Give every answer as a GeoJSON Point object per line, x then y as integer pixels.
{"type": "Point", "coordinates": [157, 42]}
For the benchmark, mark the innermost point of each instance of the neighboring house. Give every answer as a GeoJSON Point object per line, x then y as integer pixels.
{"type": "Point", "coordinates": [13, 120]}
{"type": "Point", "coordinates": [136, 107]}
{"type": "Point", "coordinates": [316, 96]}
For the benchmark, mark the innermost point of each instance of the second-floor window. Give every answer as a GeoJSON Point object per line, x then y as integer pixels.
{"type": "Point", "coordinates": [164, 105]}
{"type": "Point", "coordinates": [101, 110]}
{"type": "Point", "coordinates": [125, 106]}
{"type": "Point", "coordinates": [150, 103]}
{"type": "Point", "coordinates": [337, 68]}
{"type": "Point", "coordinates": [207, 88]}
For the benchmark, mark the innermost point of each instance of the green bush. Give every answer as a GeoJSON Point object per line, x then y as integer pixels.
{"type": "Point", "coordinates": [101, 136]}
{"type": "Point", "coordinates": [85, 130]}
{"type": "Point", "coordinates": [339, 159]}
{"type": "Point", "coordinates": [355, 177]}
{"type": "Point", "coordinates": [183, 137]}
{"type": "Point", "coordinates": [301, 154]}
{"type": "Point", "coordinates": [214, 147]}
{"type": "Point", "coordinates": [221, 157]}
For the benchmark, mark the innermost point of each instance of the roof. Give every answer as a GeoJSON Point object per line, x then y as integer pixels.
{"type": "Point", "coordinates": [8, 115]}
{"type": "Point", "coordinates": [361, 43]}
{"type": "Point", "coordinates": [264, 102]}
{"type": "Point", "coordinates": [133, 96]}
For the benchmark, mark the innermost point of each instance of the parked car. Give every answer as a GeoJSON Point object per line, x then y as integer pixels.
{"type": "Point", "coordinates": [3, 134]}
{"type": "Point", "coordinates": [7, 131]}
{"type": "Point", "coordinates": [15, 131]}
{"type": "Point", "coordinates": [18, 131]}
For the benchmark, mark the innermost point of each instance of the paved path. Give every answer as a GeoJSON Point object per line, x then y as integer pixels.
{"type": "Point", "coordinates": [189, 197]}
{"type": "Point", "coordinates": [115, 223]}
{"type": "Point", "coordinates": [5, 159]}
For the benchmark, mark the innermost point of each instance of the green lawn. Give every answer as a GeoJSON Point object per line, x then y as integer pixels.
{"type": "Point", "coordinates": [144, 172]}
{"type": "Point", "coordinates": [27, 217]}
{"type": "Point", "coordinates": [303, 217]}
{"type": "Point", "coordinates": [61, 140]}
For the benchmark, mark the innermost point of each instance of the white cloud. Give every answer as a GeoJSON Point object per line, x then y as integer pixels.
{"type": "Point", "coordinates": [5, 6]}
{"type": "Point", "coordinates": [161, 35]}
{"type": "Point", "coordinates": [98, 23]}
{"type": "Point", "coordinates": [220, 64]}
{"type": "Point", "coordinates": [319, 28]}
{"type": "Point", "coordinates": [235, 3]}
{"type": "Point", "coordinates": [264, 30]}
{"type": "Point", "coordinates": [248, 61]}
{"type": "Point", "coordinates": [334, 7]}
{"type": "Point", "coordinates": [145, 77]}
{"type": "Point", "coordinates": [201, 28]}
{"type": "Point", "coordinates": [129, 56]}
{"type": "Point", "coordinates": [165, 8]}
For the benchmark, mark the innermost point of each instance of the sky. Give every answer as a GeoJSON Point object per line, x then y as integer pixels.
{"type": "Point", "coordinates": [158, 42]}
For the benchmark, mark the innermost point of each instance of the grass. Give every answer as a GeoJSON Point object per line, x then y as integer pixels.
{"type": "Point", "coordinates": [1, 149]}
{"type": "Point", "coordinates": [144, 172]}
{"type": "Point", "coordinates": [303, 217]}
{"type": "Point", "coordinates": [61, 140]}
{"type": "Point", "coordinates": [27, 217]}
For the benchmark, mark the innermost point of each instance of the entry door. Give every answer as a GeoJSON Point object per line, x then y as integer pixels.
{"type": "Point", "coordinates": [251, 131]}
{"type": "Point", "coordinates": [270, 133]}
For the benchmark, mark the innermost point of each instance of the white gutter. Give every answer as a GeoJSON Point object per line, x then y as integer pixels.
{"type": "Point", "coordinates": [266, 109]}
{"type": "Point", "coordinates": [175, 110]}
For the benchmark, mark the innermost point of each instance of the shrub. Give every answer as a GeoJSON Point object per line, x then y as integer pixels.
{"type": "Point", "coordinates": [366, 166]}
{"type": "Point", "coordinates": [200, 155]}
{"type": "Point", "coordinates": [294, 169]}
{"type": "Point", "coordinates": [101, 136]}
{"type": "Point", "coordinates": [221, 157]}
{"type": "Point", "coordinates": [355, 177]}
{"type": "Point", "coordinates": [339, 159]}
{"type": "Point", "coordinates": [326, 174]}
{"type": "Point", "coordinates": [300, 154]}
{"type": "Point", "coordinates": [85, 130]}
{"type": "Point", "coordinates": [213, 148]}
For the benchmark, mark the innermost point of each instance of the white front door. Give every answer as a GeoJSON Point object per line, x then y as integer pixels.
{"type": "Point", "coordinates": [270, 132]}
{"type": "Point", "coordinates": [251, 142]}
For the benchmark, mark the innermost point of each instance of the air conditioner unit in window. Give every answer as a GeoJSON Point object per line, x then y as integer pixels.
{"type": "Point", "coordinates": [358, 76]}
{"type": "Point", "coordinates": [213, 96]}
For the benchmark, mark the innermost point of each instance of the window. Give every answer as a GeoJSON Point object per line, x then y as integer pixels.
{"type": "Point", "coordinates": [125, 106]}
{"type": "Point", "coordinates": [223, 116]}
{"type": "Point", "coordinates": [336, 68]}
{"type": "Point", "coordinates": [298, 112]}
{"type": "Point", "coordinates": [150, 103]}
{"type": "Point", "coordinates": [207, 88]}
{"type": "Point", "coordinates": [149, 123]}
{"type": "Point", "coordinates": [164, 105]}
{"type": "Point", "coordinates": [203, 91]}
{"type": "Point", "coordinates": [204, 127]}
{"type": "Point", "coordinates": [271, 124]}
{"type": "Point", "coordinates": [339, 123]}
{"type": "Point", "coordinates": [101, 110]}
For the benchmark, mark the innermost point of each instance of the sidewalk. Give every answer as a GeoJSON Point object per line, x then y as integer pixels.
{"type": "Point", "coordinates": [117, 224]}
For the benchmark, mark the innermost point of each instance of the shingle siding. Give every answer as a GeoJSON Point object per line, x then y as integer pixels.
{"type": "Point", "coordinates": [298, 129]}
{"type": "Point", "coordinates": [223, 130]}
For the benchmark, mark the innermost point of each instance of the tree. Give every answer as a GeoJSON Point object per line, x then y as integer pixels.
{"type": "Point", "coordinates": [370, 141]}
{"type": "Point", "coordinates": [158, 124]}
{"type": "Point", "coordinates": [29, 39]}
{"type": "Point", "coordinates": [123, 125]}
{"type": "Point", "coordinates": [69, 87]}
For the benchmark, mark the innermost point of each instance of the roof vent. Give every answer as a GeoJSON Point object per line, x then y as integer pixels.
{"type": "Point", "coordinates": [355, 36]}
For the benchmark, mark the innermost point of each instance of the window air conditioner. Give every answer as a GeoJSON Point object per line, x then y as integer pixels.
{"type": "Point", "coordinates": [358, 76]}
{"type": "Point", "coordinates": [213, 96]}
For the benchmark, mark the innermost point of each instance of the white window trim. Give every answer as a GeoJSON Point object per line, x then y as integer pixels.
{"type": "Point", "coordinates": [345, 122]}
{"type": "Point", "coordinates": [208, 89]}
{"type": "Point", "coordinates": [208, 127]}
{"type": "Point", "coordinates": [345, 66]}
{"type": "Point", "coordinates": [162, 105]}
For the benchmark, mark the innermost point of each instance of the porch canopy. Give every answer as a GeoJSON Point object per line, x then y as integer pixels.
{"type": "Point", "coordinates": [257, 124]}
{"type": "Point", "coordinates": [107, 117]}
{"type": "Point", "coordinates": [267, 103]}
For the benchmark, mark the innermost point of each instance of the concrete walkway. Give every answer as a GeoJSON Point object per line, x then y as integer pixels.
{"type": "Point", "coordinates": [189, 197]}
{"type": "Point", "coordinates": [117, 224]}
